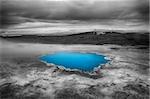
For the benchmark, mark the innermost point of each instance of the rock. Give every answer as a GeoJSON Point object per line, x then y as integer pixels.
{"type": "Point", "coordinates": [9, 90]}
{"type": "Point", "coordinates": [68, 93]}
{"type": "Point", "coordinates": [120, 95]}
{"type": "Point", "coordinates": [139, 88]}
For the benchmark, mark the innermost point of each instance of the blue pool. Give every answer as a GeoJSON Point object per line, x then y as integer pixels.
{"type": "Point", "coordinates": [85, 62]}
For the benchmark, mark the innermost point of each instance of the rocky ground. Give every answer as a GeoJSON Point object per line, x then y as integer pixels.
{"type": "Point", "coordinates": [24, 76]}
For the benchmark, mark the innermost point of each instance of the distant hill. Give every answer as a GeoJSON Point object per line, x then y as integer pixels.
{"type": "Point", "coordinates": [85, 38]}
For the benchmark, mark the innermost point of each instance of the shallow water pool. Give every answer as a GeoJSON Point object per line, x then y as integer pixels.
{"type": "Point", "coordinates": [86, 62]}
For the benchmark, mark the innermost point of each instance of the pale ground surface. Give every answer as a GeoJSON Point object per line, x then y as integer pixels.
{"type": "Point", "coordinates": [23, 75]}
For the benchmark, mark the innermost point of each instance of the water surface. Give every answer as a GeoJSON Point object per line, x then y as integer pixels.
{"type": "Point", "coordinates": [75, 60]}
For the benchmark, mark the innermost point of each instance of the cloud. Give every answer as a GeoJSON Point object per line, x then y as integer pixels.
{"type": "Point", "coordinates": [76, 9]}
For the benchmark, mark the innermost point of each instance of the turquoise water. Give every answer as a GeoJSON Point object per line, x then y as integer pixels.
{"type": "Point", "coordinates": [86, 62]}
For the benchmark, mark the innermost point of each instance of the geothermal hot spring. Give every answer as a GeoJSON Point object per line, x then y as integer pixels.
{"type": "Point", "coordinates": [86, 62]}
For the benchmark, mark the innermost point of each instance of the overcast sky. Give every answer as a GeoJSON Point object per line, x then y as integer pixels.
{"type": "Point", "coordinates": [75, 9]}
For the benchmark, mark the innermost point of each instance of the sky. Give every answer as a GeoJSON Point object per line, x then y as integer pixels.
{"type": "Point", "coordinates": [19, 11]}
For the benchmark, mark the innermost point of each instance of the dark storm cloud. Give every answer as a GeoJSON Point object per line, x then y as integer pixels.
{"type": "Point", "coordinates": [142, 8]}
{"type": "Point", "coordinates": [74, 9]}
